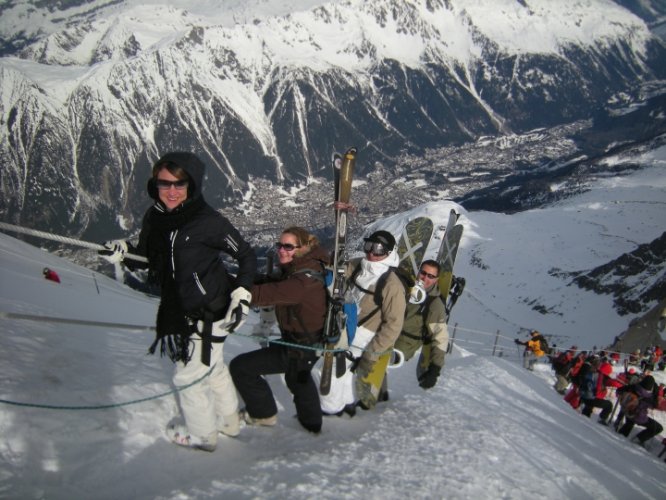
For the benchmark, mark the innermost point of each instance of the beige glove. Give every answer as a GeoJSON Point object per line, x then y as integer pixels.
{"type": "Point", "coordinates": [114, 251]}
{"type": "Point", "coordinates": [238, 310]}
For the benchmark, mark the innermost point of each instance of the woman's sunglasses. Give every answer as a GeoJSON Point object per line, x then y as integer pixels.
{"type": "Point", "coordinates": [286, 246]}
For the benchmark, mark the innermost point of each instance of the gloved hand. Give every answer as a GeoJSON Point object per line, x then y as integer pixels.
{"type": "Point", "coordinates": [362, 366]}
{"type": "Point", "coordinates": [517, 341]}
{"type": "Point", "coordinates": [114, 251]}
{"type": "Point", "coordinates": [428, 379]}
{"type": "Point", "coordinates": [239, 308]}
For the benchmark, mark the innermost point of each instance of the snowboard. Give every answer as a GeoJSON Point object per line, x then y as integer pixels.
{"type": "Point", "coordinates": [411, 250]}
{"type": "Point", "coordinates": [413, 244]}
{"type": "Point", "coordinates": [446, 257]}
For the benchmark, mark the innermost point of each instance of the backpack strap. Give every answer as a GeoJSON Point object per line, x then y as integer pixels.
{"type": "Point", "coordinates": [424, 310]}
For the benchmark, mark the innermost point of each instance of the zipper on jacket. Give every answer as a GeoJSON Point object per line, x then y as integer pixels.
{"type": "Point", "coordinates": [199, 285]}
{"type": "Point", "coordinates": [172, 237]}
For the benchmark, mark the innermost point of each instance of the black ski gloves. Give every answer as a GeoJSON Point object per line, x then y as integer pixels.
{"type": "Point", "coordinates": [361, 366]}
{"type": "Point", "coordinates": [428, 379]}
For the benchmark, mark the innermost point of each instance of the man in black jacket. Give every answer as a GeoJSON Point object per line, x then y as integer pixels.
{"type": "Point", "coordinates": [182, 237]}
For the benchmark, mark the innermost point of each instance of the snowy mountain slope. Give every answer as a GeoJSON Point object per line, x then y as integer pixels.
{"type": "Point", "coordinates": [271, 96]}
{"type": "Point", "coordinates": [473, 436]}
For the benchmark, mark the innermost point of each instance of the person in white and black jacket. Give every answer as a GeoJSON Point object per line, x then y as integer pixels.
{"type": "Point", "coordinates": [182, 237]}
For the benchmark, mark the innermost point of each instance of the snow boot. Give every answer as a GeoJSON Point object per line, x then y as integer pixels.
{"type": "Point", "coordinates": [230, 425]}
{"type": "Point", "coordinates": [313, 428]}
{"type": "Point", "coordinates": [266, 422]}
{"type": "Point", "coordinates": [178, 434]}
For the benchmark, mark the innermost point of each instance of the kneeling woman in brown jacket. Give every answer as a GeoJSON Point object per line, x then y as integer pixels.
{"type": "Point", "coordinates": [299, 297]}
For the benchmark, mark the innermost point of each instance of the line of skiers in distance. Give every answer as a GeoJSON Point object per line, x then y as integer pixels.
{"type": "Point", "coordinates": [586, 381]}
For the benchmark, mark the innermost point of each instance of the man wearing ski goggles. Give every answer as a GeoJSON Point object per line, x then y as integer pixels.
{"type": "Point", "coordinates": [376, 249]}
{"type": "Point", "coordinates": [379, 296]}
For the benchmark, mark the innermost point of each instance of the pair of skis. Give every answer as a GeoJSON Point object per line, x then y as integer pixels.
{"type": "Point", "coordinates": [412, 247]}
{"type": "Point", "coordinates": [336, 317]}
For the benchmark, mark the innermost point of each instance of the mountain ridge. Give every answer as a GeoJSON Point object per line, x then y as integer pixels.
{"type": "Point", "coordinates": [225, 93]}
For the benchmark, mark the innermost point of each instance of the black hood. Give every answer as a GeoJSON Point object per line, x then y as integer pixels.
{"type": "Point", "coordinates": [189, 162]}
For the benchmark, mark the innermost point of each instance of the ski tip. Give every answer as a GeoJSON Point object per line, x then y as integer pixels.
{"type": "Point", "coordinates": [351, 152]}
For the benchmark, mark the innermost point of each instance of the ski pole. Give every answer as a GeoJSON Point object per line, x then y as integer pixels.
{"type": "Point", "coordinates": [64, 239]}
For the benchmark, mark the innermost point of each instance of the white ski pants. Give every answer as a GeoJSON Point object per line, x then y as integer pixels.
{"type": "Point", "coordinates": [342, 389]}
{"type": "Point", "coordinates": [207, 402]}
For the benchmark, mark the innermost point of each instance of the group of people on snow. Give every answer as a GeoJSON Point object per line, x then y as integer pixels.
{"type": "Point", "coordinates": [201, 303]}
{"type": "Point", "coordinates": [652, 358]}
{"type": "Point", "coordinates": [586, 381]}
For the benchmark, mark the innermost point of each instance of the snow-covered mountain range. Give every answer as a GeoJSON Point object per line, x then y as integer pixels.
{"type": "Point", "coordinates": [92, 92]}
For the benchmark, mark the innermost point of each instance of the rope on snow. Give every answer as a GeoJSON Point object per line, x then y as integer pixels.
{"type": "Point", "coordinates": [112, 405]}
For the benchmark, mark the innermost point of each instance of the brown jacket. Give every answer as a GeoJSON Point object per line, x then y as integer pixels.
{"type": "Point", "coordinates": [299, 298]}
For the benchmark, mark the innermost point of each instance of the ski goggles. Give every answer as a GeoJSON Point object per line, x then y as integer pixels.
{"type": "Point", "coordinates": [286, 246]}
{"type": "Point", "coordinates": [375, 248]}
{"type": "Point", "coordinates": [163, 184]}
{"type": "Point", "coordinates": [428, 275]}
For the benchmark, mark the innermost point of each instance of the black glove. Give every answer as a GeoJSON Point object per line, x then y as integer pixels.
{"type": "Point", "coordinates": [517, 341]}
{"type": "Point", "coordinates": [428, 379]}
{"type": "Point", "coordinates": [361, 366]}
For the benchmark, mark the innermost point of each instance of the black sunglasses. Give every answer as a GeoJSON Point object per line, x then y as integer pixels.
{"type": "Point", "coordinates": [164, 184]}
{"type": "Point", "coordinates": [286, 246]}
{"type": "Point", "coordinates": [375, 248]}
{"type": "Point", "coordinates": [428, 275]}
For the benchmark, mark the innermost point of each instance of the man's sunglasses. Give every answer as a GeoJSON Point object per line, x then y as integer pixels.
{"type": "Point", "coordinates": [286, 246]}
{"type": "Point", "coordinates": [428, 275]}
{"type": "Point", "coordinates": [375, 248]}
{"type": "Point", "coordinates": [164, 184]}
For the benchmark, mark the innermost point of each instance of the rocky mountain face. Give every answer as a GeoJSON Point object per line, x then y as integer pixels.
{"type": "Point", "coordinates": [87, 108]}
{"type": "Point", "coordinates": [633, 279]}
{"type": "Point", "coordinates": [644, 331]}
